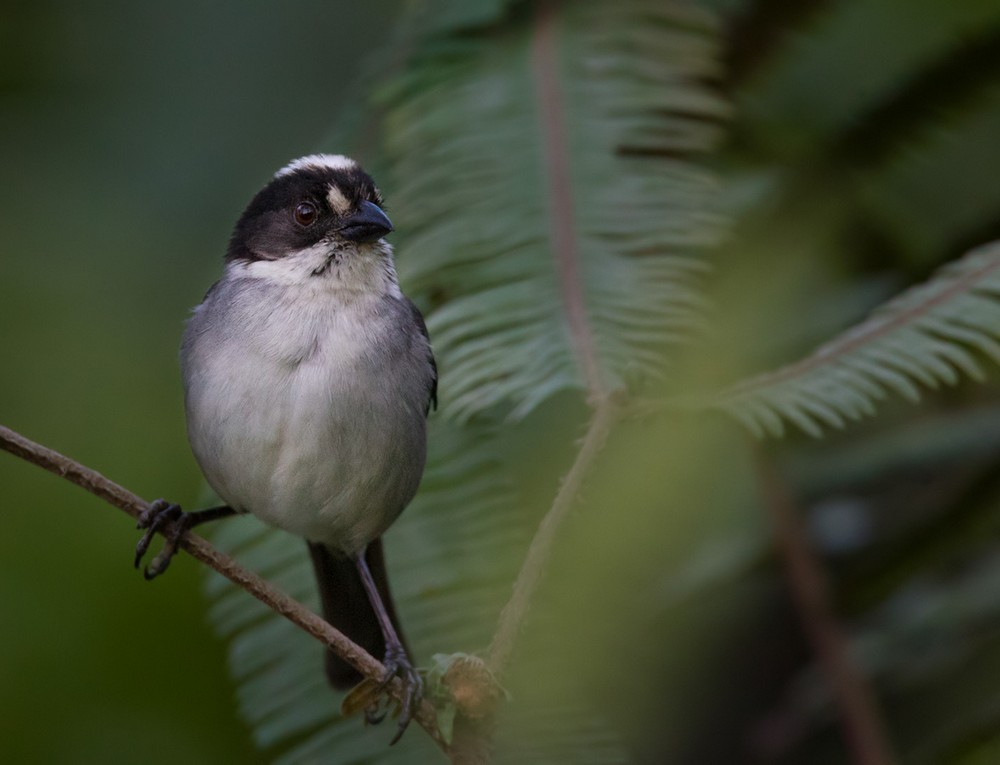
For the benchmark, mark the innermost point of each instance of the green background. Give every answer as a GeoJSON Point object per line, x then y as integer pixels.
{"type": "Point", "coordinates": [131, 135]}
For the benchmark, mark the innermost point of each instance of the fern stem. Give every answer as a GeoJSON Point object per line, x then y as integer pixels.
{"type": "Point", "coordinates": [549, 97]}
{"type": "Point", "coordinates": [853, 694]}
{"type": "Point", "coordinates": [201, 550]}
{"type": "Point", "coordinates": [515, 612]}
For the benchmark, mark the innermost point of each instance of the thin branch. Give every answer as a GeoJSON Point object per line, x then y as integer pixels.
{"type": "Point", "coordinates": [514, 613]}
{"type": "Point", "coordinates": [201, 550]}
{"type": "Point", "coordinates": [854, 696]}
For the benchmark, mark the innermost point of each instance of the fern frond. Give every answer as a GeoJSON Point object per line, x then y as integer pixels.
{"type": "Point", "coordinates": [549, 208]}
{"type": "Point", "coordinates": [926, 336]}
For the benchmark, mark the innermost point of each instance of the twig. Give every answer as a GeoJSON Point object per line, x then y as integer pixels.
{"type": "Point", "coordinates": [513, 615]}
{"type": "Point", "coordinates": [855, 699]}
{"type": "Point", "coordinates": [201, 550]}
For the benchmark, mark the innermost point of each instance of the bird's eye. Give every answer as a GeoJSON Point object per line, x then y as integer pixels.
{"type": "Point", "coordinates": [305, 213]}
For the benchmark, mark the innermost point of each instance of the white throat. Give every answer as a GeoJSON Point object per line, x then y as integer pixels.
{"type": "Point", "coordinates": [324, 267]}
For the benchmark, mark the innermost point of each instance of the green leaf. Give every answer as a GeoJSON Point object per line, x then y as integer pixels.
{"type": "Point", "coordinates": [550, 212]}
{"type": "Point", "coordinates": [929, 335]}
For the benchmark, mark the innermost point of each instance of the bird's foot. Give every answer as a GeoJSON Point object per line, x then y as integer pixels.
{"type": "Point", "coordinates": [160, 513]}
{"type": "Point", "coordinates": [397, 664]}
{"type": "Point", "coordinates": [152, 519]}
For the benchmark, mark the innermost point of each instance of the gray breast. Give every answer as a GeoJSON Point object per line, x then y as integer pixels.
{"type": "Point", "coordinates": [308, 413]}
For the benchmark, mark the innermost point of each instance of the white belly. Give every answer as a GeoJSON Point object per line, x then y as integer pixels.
{"type": "Point", "coordinates": [316, 442]}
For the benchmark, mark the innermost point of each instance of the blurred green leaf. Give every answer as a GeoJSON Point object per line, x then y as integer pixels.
{"type": "Point", "coordinates": [926, 336]}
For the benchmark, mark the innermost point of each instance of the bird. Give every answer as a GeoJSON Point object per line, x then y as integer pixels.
{"type": "Point", "coordinates": [308, 378]}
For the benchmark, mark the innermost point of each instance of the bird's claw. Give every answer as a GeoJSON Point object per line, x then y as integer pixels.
{"type": "Point", "coordinates": [152, 519]}
{"type": "Point", "coordinates": [397, 664]}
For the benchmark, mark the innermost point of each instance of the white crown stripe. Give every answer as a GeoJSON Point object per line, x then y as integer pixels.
{"type": "Point", "coordinates": [317, 161]}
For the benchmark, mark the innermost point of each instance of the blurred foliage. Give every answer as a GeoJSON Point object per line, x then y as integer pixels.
{"type": "Point", "coordinates": [131, 135]}
{"type": "Point", "coordinates": [852, 143]}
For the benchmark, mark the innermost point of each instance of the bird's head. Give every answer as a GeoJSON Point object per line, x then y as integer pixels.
{"type": "Point", "coordinates": [319, 215]}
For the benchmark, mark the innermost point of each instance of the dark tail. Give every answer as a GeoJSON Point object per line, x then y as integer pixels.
{"type": "Point", "coordinates": [345, 605]}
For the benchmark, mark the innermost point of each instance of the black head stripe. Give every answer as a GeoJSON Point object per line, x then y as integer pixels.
{"type": "Point", "coordinates": [266, 224]}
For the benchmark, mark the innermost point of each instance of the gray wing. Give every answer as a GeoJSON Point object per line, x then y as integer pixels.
{"type": "Point", "coordinates": [432, 386]}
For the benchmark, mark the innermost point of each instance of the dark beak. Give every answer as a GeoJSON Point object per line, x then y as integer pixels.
{"type": "Point", "coordinates": [368, 224]}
